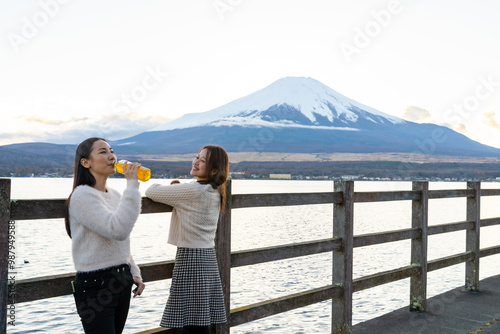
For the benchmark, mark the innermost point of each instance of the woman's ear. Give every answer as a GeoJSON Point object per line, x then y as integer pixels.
{"type": "Point", "coordinates": [84, 162]}
{"type": "Point", "coordinates": [214, 171]}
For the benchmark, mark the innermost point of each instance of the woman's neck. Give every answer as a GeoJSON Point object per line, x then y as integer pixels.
{"type": "Point", "coordinates": [100, 183]}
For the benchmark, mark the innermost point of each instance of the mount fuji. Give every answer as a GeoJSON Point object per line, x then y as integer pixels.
{"type": "Point", "coordinates": [289, 102]}
{"type": "Point", "coordinates": [301, 115]}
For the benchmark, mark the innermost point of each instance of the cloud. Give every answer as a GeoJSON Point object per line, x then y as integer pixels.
{"type": "Point", "coordinates": [460, 127]}
{"type": "Point", "coordinates": [50, 122]}
{"type": "Point", "coordinates": [73, 130]}
{"type": "Point", "coordinates": [490, 120]}
{"type": "Point", "coordinates": [416, 114]}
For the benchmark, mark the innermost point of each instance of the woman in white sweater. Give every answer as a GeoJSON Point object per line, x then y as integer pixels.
{"type": "Point", "coordinates": [99, 221]}
{"type": "Point", "coordinates": [196, 300]}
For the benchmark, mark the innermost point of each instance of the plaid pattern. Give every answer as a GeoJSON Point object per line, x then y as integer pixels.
{"type": "Point", "coordinates": [196, 297]}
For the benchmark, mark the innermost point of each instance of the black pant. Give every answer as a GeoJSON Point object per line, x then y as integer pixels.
{"type": "Point", "coordinates": [195, 330]}
{"type": "Point", "coordinates": [103, 298]}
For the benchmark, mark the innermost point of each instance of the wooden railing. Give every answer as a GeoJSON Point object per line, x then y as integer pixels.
{"type": "Point", "coordinates": [341, 245]}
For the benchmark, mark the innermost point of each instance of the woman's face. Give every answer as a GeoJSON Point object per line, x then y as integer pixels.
{"type": "Point", "coordinates": [199, 168]}
{"type": "Point", "coordinates": [101, 160]}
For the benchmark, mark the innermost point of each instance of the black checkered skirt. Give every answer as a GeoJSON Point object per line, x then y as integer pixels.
{"type": "Point", "coordinates": [196, 297]}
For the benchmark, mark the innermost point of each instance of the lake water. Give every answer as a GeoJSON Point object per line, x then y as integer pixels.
{"type": "Point", "coordinates": [43, 248]}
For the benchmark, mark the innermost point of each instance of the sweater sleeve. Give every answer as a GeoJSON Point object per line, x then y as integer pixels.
{"type": "Point", "coordinates": [134, 268]}
{"type": "Point", "coordinates": [174, 195]}
{"type": "Point", "coordinates": [87, 207]}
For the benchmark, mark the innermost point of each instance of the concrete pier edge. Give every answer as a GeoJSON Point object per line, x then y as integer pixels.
{"type": "Point", "coordinates": [453, 312]}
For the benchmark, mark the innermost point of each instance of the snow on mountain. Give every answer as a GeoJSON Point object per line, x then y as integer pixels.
{"type": "Point", "coordinates": [288, 102]}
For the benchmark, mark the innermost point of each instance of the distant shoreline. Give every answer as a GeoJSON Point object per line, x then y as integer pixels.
{"type": "Point", "coordinates": [237, 157]}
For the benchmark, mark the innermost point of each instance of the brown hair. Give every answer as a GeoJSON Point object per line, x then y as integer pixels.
{"type": "Point", "coordinates": [82, 175]}
{"type": "Point", "coordinates": [218, 170]}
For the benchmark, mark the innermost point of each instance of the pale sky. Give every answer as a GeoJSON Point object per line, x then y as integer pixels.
{"type": "Point", "coordinates": [71, 69]}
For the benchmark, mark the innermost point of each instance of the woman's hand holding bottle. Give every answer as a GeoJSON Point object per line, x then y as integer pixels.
{"type": "Point", "coordinates": [141, 173]}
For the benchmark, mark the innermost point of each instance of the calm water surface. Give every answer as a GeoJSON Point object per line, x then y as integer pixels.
{"type": "Point", "coordinates": [43, 248]}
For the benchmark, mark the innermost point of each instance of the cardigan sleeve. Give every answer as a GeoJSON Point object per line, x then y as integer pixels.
{"type": "Point", "coordinates": [87, 207]}
{"type": "Point", "coordinates": [174, 195]}
{"type": "Point", "coordinates": [134, 268]}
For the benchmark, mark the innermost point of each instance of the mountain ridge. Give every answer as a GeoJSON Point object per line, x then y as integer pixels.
{"type": "Point", "coordinates": [291, 101]}
{"type": "Point", "coordinates": [296, 114]}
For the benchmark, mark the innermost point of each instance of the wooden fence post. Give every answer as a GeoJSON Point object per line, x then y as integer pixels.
{"type": "Point", "coordinates": [420, 214]}
{"type": "Point", "coordinates": [223, 247]}
{"type": "Point", "coordinates": [343, 214]}
{"type": "Point", "coordinates": [472, 237]}
{"type": "Point", "coordinates": [4, 251]}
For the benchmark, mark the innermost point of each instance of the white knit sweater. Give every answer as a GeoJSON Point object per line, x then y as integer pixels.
{"type": "Point", "coordinates": [195, 214]}
{"type": "Point", "coordinates": [100, 224]}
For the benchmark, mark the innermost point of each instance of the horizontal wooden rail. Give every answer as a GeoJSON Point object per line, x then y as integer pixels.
{"type": "Point", "coordinates": [449, 261]}
{"type": "Point", "coordinates": [275, 306]}
{"type": "Point", "coordinates": [490, 192]}
{"type": "Point", "coordinates": [490, 251]}
{"type": "Point", "coordinates": [437, 194]}
{"type": "Point", "coordinates": [490, 222]}
{"type": "Point", "coordinates": [450, 227]}
{"type": "Point", "coordinates": [383, 237]}
{"type": "Point", "coordinates": [288, 199]}
{"type": "Point", "coordinates": [381, 196]}
{"type": "Point", "coordinates": [371, 281]}
{"type": "Point", "coordinates": [60, 285]}
{"type": "Point", "coordinates": [37, 209]}
{"type": "Point", "coordinates": [29, 209]}
{"type": "Point", "coordinates": [267, 254]}
{"type": "Point", "coordinates": [44, 287]}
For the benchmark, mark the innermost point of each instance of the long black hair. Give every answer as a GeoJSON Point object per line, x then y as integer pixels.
{"type": "Point", "coordinates": [218, 170]}
{"type": "Point", "coordinates": [82, 175]}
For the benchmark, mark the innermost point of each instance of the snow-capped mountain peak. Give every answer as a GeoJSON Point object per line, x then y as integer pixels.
{"type": "Point", "coordinates": [288, 102]}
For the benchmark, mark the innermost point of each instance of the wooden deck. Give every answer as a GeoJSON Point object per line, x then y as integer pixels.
{"type": "Point", "coordinates": [454, 312]}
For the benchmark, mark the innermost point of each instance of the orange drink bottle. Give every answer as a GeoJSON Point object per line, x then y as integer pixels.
{"type": "Point", "coordinates": [143, 173]}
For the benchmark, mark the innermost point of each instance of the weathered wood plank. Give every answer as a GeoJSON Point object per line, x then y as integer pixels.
{"type": "Point", "coordinates": [54, 208]}
{"type": "Point", "coordinates": [274, 253]}
{"type": "Point", "coordinates": [449, 261]}
{"type": "Point", "coordinates": [383, 237]}
{"type": "Point", "coordinates": [156, 271]}
{"type": "Point", "coordinates": [490, 192]}
{"type": "Point", "coordinates": [370, 281]}
{"type": "Point", "coordinates": [44, 287]}
{"type": "Point", "coordinates": [274, 306]}
{"type": "Point", "coordinates": [60, 285]}
{"type": "Point", "coordinates": [37, 209]}
{"type": "Point", "coordinates": [435, 194]}
{"type": "Point", "coordinates": [490, 251]}
{"type": "Point", "coordinates": [288, 199]}
{"type": "Point", "coordinates": [381, 196]}
{"type": "Point", "coordinates": [490, 222]}
{"type": "Point", "coordinates": [450, 227]}
{"type": "Point", "coordinates": [149, 206]}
